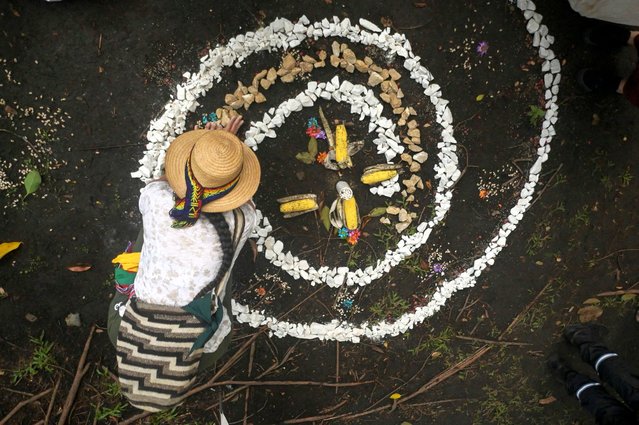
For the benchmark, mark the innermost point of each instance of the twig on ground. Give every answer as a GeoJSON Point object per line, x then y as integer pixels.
{"type": "Point", "coordinates": [248, 390]}
{"type": "Point", "coordinates": [52, 402]}
{"type": "Point", "coordinates": [23, 403]}
{"type": "Point", "coordinates": [466, 307]}
{"type": "Point", "coordinates": [619, 251]}
{"type": "Point", "coordinates": [23, 138]}
{"type": "Point", "coordinates": [439, 378]}
{"type": "Point", "coordinates": [491, 341]}
{"type": "Point", "coordinates": [79, 373]}
{"type": "Point", "coordinates": [541, 192]}
{"type": "Point", "coordinates": [289, 383]}
{"type": "Point", "coordinates": [336, 365]}
{"type": "Point", "coordinates": [107, 147]}
{"type": "Point", "coordinates": [619, 292]}
{"type": "Point", "coordinates": [522, 313]}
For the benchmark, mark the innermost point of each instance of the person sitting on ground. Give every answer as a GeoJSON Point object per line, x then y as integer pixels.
{"type": "Point", "coordinates": [592, 396]}
{"type": "Point", "coordinates": [611, 37]}
{"type": "Point", "coordinates": [172, 317]}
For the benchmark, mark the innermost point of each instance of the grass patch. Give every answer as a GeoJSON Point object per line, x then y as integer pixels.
{"type": "Point", "coordinates": [390, 306]}
{"type": "Point", "coordinates": [41, 360]}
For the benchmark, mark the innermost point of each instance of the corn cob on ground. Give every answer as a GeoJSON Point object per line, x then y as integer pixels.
{"type": "Point", "coordinates": [378, 176]}
{"type": "Point", "coordinates": [349, 207]}
{"type": "Point", "coordinates": [297, 206]}
{"type": "Point", "coordinates": [341, 144]}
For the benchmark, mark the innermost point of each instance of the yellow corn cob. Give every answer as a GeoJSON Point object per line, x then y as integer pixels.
{"type": "Point", "coordinates": [378, 176]}
{"type": "Point", "coordinates": [349, 207]}
{"type": "Point", "coordinates": [341, 144]}
{"type": "Point", "coordinates": [297, 206]}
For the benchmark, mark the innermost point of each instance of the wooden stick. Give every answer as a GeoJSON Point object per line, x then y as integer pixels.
{"type": "Point", "coordinates": [541, 192]}
{"type": "Point", "coordinates": [522, 313]}
{"type": "Point", "coordinates": [336, 365]}
{"type": "Point", "coordinates": [290, 383]}
{"type": "Point", "coordinates": [79, 373]}
{"type": "Point", "coordinates": [23, 403]}
{"type": "Point", "coordinates": [50, 408]}
{"type": "Point", "coordinates": [439, 378]}
{"type": "Point", "coordinates": [491, 341]}
{"type": "Point", "coordinates": [619, 292]}
{"type": "Point", "coordinates": [248, 389]}
{"type": "Point", "coordinates": [619, 251]}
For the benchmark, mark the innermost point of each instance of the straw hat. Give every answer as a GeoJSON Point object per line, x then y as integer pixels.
{"type": "Point", "coordinates": [217, 157]}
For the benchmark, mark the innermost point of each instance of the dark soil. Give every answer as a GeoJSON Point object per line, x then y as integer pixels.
{"type": "Point", "coordinates": [99, 72]}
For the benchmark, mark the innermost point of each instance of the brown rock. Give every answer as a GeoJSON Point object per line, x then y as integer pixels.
{"type": "Point", "coordinates": [349, 56]}
{"type": "Point", "coordinates": [259, 98]}
{"type": "Point", "coordinates": [368, 61]}
{"type": "Point", "coordinates": [306, 66]}
{"type": "Point", "coordinates": [335, 61]}
{"type": "Point", "coordinates": [361, 66]}
{"type": "Point", "coordinates": [406, 157]}
{"type": "Point", "coordinates": [374, 79]}
{"type": "Point", "coordinates": [321, 55]}
{"type": "Point", "coordinates": [271, 75]}
{"type": "Point", "coordinates": [288, 62]}
{"type": "Point", "coordinates": [288, 78]}
{"type": "Point", "coordinates": [319, 64]}
{"type": "Point", "coordinates": [335, 48]}
{"type": "Point", "coordinates": [265, 83]}
{"type": "Point", "coordinates": [394, 74]}
{"type": "Point", "coordinates": [415, 167]}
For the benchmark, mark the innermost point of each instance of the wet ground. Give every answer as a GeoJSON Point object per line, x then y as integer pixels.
{"type": "Point", "coordinates": [80, 84]}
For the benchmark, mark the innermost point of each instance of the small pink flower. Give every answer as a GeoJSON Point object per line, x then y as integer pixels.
{"type": "Point", "coordinates": [482, 48]}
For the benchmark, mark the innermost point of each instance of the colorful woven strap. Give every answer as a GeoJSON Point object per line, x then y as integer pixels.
{"type": "Point", "coordinates": [187, 210]}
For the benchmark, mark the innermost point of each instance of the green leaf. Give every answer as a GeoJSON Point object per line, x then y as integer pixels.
{"type": "Point", "coordinates": [312, 146]}
{"type": "Point", "coordinates": [325, 216]}
{"type": "Point", "coordinates": [479, 97]}
{"type": "Point", "coordinates": [305, 157]}
{"type": "Point", "coordinates": [536, 114]}
{"type": "Point", "coordinates": [32, 182]}
{"type": "Point", "coordinates": [377, 212]}
{"type": "Point", "coordinates": [628, 297]}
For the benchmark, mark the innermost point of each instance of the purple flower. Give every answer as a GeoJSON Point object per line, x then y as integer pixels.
{"type": "Point", "coordinates": [438, 268]}
{"type": "Point", "coordinates": [482, 48]}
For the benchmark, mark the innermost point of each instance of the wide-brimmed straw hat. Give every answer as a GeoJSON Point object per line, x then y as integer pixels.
{"type": "Point", "coordinates": [217, 158]}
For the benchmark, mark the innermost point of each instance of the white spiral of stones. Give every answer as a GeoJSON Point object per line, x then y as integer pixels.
{"type": "Point", "coordinates": [282, 34]}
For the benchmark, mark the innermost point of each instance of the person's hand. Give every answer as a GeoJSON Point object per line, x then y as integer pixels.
{"type": "Point", "coordinates": [232, 127]}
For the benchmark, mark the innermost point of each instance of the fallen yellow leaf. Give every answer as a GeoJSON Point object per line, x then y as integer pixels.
{"type": "Point", "coordinates": [479, 97]}
{"type": "Point", "coordinates": [7, 247]}
{"type": "Point", "coordinates": [395, 396]}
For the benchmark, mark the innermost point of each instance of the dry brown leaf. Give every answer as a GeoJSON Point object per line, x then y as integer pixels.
{"type": "Point", "coordinates": [547, 400]}
{"type": "Point", "coordinates": [78, 268]}
{"type": "Point", "coordinates": [419, 5]}
{"type": "Point", "coordinates": [589, 313]}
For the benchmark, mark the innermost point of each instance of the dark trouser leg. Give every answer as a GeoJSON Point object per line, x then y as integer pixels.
{"type": "Point", "coordinates": [613, 371]}
{"type": "Point", "coordinates": [606, 409]}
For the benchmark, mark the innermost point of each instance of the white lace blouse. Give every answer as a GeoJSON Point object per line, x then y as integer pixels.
{"type": "Point", "coordinates": [175, 264]}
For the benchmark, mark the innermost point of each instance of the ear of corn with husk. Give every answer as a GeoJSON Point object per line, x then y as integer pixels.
{"type": "Point", "coordinates": [292, 206]}
{"type": "Point", "coordinates": [342, 156]}
{"type": "Point", "coordinates": [379, 173]}
{"type": "Point", "coordinates": [345, 213]}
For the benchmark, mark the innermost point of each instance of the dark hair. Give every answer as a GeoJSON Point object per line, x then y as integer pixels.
{"type": "Point", "coordinates": [226, 241]}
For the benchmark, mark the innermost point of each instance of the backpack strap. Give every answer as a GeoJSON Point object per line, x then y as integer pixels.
{"type": "Point", "coordinates": [238, 230]}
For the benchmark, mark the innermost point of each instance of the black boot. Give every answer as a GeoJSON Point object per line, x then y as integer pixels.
{"type": "Point", "coordinates": [592, 80]}
{"type": "Point", "coordinates": [607, 35]}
